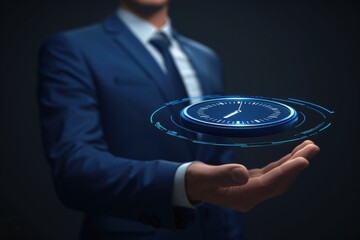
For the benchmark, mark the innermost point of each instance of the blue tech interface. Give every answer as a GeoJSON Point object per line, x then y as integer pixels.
{"type": "Point", "coordinates": [239, 121]}
{"type": "Point", "coordinates": [238, 117]}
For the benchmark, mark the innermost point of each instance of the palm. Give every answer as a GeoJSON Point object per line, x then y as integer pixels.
{"type": "Point", "coordinates": [235, 187]}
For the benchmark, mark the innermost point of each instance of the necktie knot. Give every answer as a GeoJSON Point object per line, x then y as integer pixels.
{"type": "Point", "coordinates": [160, 41]}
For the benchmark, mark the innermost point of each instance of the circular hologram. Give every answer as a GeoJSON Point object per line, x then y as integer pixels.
{"type": "Point", "coordinates": [312, 119]}
{"type": "Point", "coordinates": [239, 117]}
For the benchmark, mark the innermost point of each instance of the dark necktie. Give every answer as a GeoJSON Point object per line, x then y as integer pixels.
{"type": "Point", "coordinates": [173, 84]}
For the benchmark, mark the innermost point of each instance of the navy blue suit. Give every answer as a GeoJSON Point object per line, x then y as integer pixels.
{"type": "Point", "coordinates": [98, 86]}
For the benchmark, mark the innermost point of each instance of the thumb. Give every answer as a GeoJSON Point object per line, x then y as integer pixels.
{"type": "Point", "coordinates": [226, 175]}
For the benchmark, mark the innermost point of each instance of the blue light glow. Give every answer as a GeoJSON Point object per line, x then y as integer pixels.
{"type": "Point", "coordinates": [313, 119]}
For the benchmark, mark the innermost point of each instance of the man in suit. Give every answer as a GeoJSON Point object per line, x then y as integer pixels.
{"type": "Point", "coordinates": [98, 86]}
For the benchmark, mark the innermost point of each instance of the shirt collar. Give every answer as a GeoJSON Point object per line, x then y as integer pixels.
{"type": "Point", "coordinates": [141, 28]}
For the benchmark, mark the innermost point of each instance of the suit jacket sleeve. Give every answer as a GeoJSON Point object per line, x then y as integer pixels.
{"type": "Point", "coordinates": [87, 176]}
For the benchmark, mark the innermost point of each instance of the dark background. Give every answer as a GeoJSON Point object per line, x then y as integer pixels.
{"type": "Point", "coordinates": [305, 50]}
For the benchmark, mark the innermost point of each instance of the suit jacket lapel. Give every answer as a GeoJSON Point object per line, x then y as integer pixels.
{"type": "Point", "coordinates": [126, 39]}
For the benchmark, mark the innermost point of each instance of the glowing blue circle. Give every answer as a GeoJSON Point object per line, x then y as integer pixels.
{"type": "Point", "coordinates": [312, 119]}
{"type": "Point", "coordinates": [239, 117]}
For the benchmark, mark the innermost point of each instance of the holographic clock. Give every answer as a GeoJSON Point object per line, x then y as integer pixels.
{"type": "Point", "coordinates": [239, 117]}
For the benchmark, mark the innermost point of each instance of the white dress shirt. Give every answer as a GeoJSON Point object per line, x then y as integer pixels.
{"type": "Point", "coordinates": [144, 31]}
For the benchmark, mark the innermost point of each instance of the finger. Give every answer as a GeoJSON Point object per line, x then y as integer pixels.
{"type": "Point", "coordinates": [230, 175]}
{"type": "Point", "coordinates": [307, 152]}
{"type": "Point", "coordinates": [245, 197]}
{"type": "Point", "coordinates": [302, 145]}
{"type": "Point", "coordinates": [278, 179]}
{"type": "Point", "coordinates": [226, 175]}
{"type": "Point", "coordinates": [294, 151]}
{"type": "Point", "coordinates": [287, 157]}
{"type": "Point", "coordinates": [256, 172]}
{"type": "Point", "coordinates": [275, 164]}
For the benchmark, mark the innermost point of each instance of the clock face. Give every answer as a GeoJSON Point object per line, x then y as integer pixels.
{"type": "Point", "coordinates": [238, 117]}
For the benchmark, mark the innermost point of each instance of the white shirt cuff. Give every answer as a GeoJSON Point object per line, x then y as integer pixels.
{"type": "Point", "coordinates": [179, 197]}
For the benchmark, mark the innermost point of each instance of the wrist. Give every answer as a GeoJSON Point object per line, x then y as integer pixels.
{"type": "Point", "coordinates": [179, 196]}
{"type": "Point", "coordinates": [192, 182]}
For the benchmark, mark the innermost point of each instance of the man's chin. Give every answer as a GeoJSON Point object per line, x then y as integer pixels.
{"type": "Point", "coordinates": [145, 8]}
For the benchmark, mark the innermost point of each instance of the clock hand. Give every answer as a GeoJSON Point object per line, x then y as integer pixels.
{"type": "Point", "coordinates": [240, 107]}
{"type": "Point", "coordinates": [235, 112]}
{"type": "Point", "coordinates": [232, 114]}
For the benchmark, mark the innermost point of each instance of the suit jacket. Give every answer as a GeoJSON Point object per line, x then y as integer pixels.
{"type": "Point", "coordinates": [98, 86]}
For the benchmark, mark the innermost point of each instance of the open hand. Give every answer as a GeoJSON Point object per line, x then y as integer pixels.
{"type": "Point", "coordinates": [234, 186]}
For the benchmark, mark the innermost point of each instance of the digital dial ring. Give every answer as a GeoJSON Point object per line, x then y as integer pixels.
{"type": "Point", "coordinates": [239, 117]}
